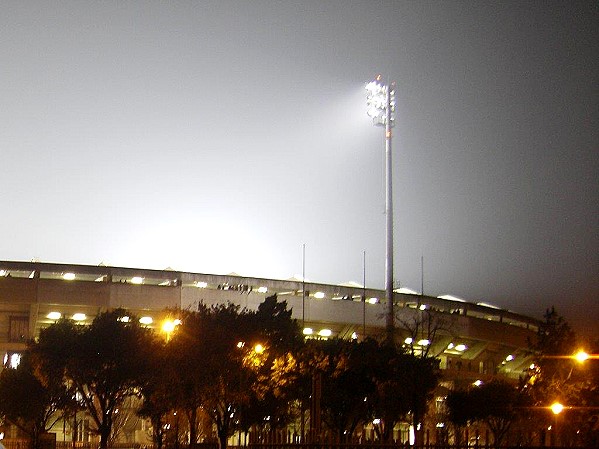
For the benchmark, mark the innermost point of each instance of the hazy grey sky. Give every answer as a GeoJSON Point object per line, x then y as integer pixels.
{"type": "Point", "coordinates": [221, 136]}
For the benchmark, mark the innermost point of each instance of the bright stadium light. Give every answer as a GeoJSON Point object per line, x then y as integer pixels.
{"type": "Point", "coordinates": [54, 316]}
{"type": "Point", "coordinates": [380, 105]}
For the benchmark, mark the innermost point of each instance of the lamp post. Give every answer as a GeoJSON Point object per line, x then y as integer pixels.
{"type": "Point", "coordinates": [380, 101]}
{"type": "Point", "coordinates": [556, 409]}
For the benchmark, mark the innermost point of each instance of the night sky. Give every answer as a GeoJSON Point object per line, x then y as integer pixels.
{"type": "Point", "coordinates": [221, 136]}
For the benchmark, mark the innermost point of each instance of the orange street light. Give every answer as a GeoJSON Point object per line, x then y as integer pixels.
{"type": "Point", "coordinates": [556, 408]}
{"type": "Point", "coordinates": [581, 356]}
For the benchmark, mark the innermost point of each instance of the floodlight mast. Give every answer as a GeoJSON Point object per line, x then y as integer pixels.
{"type": "Point", "coordinates": [380, 101]}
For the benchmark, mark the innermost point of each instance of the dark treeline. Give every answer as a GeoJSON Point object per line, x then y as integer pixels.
{"type": "Point", "coordinates": [220, 370]}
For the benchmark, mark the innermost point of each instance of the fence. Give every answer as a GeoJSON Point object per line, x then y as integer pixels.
{"type": "Point", "coordinates": [25, 444]}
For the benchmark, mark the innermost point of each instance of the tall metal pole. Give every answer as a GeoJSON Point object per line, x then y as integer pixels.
{"type": "Point", "coordinates": [390, 324]}
{"type": "Point", "coordinates": [380, 101]}
{"type": "Point", "coordinates": [364, 295]}
{"type": "Point", "coordinates": [303, 286]}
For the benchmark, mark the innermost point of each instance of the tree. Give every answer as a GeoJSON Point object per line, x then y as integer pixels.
{"type": "Point", "coordinates": [277, 372]}
{"type": "Point", "coordinates": [103, 363]}
{"type": "Point", "coordinates": [158, 393]}
{"type": "Point", "coordinates": [461, 411]}
{"type": "Point", "coordinates": [345, 372]}
{"type": "Point", "coordinates": [405, 383]}
{"type": "Point", "coordinates": [556, 375]}
{"type": "Point", "coordinates": [27, 403]}
{"type": "Point", "coordinates": [497, 404]}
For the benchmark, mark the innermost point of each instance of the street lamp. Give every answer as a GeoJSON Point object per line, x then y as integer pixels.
{"type": "Point", "coordinates": [556, 408]}
{"type": "Point", "coordinates": [581, 356]}
{"type": "Point", "coordinates": [380, 101]}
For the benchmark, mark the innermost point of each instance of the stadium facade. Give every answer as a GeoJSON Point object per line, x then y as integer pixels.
{"type": "Point", "coordinates": [474, 342]}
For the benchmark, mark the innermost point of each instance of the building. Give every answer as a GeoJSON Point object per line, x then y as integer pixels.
{"type": "Point", "coordinates": [474, 342]}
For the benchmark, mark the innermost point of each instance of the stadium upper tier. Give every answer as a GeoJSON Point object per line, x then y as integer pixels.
{"type": "Point", "coordinates": [474, 340]}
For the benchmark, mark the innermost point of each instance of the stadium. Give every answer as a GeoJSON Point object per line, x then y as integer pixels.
{"type": "Point", "coordinates": [473, 341]}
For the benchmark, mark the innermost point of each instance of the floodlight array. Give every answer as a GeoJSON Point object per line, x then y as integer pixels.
{"type": "Point", "coordinates": [379, 98]}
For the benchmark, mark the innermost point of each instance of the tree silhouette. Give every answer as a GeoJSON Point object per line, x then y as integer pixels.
{"type": "Point", "coordinates": [103, 363]}
{"type": "Point", "coordinates": [27, 403]}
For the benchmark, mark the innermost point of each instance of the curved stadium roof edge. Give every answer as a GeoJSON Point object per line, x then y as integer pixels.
{"type": "Point", "coordinates": [155, 276]}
